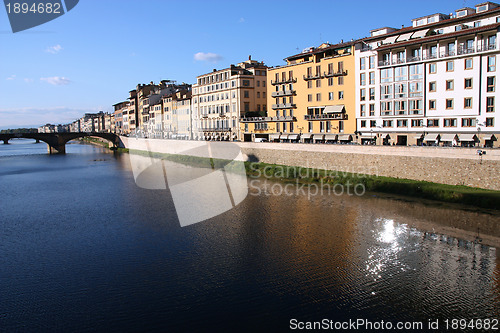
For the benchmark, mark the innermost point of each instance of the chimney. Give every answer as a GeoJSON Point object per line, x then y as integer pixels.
{"type": "Point", "coordinates": [214, 70]}
{"type": "Point", "coordinates": [250, 57]}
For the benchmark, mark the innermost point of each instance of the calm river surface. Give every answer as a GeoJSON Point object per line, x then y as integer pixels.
{"type": "Point", "coordinates": [82, 248]}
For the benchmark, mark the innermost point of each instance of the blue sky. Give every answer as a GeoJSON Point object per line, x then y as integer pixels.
{"type": "Point", "coordinates": [89, 58]}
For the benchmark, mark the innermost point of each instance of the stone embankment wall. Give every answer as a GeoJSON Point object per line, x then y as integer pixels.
{"type": "Point", "coordinates": [453, 166]}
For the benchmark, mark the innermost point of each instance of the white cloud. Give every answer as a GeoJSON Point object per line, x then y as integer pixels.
{"type": "Point", "coordinates": [12, 77]}
{"type": "Point", "coordinates": [54, 49]}
{"type": "Point", "coordinates": [241, 20]}
{"type": "Point", "coordinates": [210, 57]}
{"type": "Point", "coordinates": [56, 80]}
{"type": "Point", "coordinates": [28, 80]}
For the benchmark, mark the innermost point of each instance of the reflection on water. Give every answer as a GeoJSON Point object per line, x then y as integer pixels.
{"type": "Point", "coordinates": [84, 248]}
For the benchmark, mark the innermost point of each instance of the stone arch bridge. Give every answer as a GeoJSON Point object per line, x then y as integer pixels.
{"type": "Point", "coordinates": [56, 142]}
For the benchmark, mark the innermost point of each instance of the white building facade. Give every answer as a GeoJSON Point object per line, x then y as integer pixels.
{"type": "Point", "coordinates": [434, 83]}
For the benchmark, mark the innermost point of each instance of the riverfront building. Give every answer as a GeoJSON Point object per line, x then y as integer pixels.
{"type": "Point", "coordinates": [432, 83]}
{"type": "Point", "coordinates": [222, 97]}
{"type": "Point", "coordinates": [312, 98]}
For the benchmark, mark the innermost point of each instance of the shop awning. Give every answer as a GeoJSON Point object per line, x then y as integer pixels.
{"type": "Point", "coordinates": [318, 137]}
{"type": "Point", "coordinates": [448, 137]}
{"type": "Point", "coordinates": [274, 136]}
{"type": "Point", "coordinates": [334, 108]}
{"type": "Point", "coordinates": [368, 136]}
{"type": "Point", "coordinates": [345, 137]}
{"type": "Point", "coordinates": [467, 137]}
{"type": "Point", "coordinates": [418, 137]}
{"type": "Point", "coordinates": [431, 137]}
{"type": "Point", "coordinates": [331, 137]}
{"type": "Point", "coordinates": [293, 136]}
{"type": "Point", "coordinates": [306, 135]}
{"type": "Point", "coordinates": [490, 137]}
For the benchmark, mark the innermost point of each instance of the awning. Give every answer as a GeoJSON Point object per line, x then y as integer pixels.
{"type": "Point", "coordinates": [490, 137]}
{"type": "Point", "coordinates": [390, 40]}
{"type": "Point", "coordinates": [418, 137]}
{"type": "Point", "coordinates": [345, 137]}
{"type": "Point", "coordinates": [467, 137]}
{"type": "Point", "coordinates": [368, 136]}
{"type": "Point", "coordinates": [404, 37]}
{"type": "Point", "coordinates": [334, 109]}
{"type": "Point", "coordinates": [431, 137]}
{"type": "Point", "coordinates": [420, 33]}
{"type": "Point", "coordinates": [293, 136]}
{"type": "Point", "coordinates": [448, 137]}
{"type": "Point", "coordinates": [318, 137]}
{"type": "Point", "coordinates": [331, 137]}
{"type": "Point", "coordinates": [306, 135]}
{"type": "Point", "coordinates": [274, 136]}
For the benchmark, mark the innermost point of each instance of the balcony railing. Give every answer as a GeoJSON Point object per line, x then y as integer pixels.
{"type": "Point", "coordinates": [488, 47]}
{"type": "Point", "coordinates": [326, 116]}
{"type": "Point", "coordinates": [267, 119]}
{"type": "Point", "coordinates": [465, 50]}
{"type": "Point", "coordinates": [282, 93]}
{"type": "Point", "coordinates": [283, 106]}
{"type": "Point", "coordinates": [312, 77]}
{"type": "Point", "coordinates": [413, 59]}
{"type": "Point", "coordinates": [337, 73]}
{"type": "Point", "coordinates": [285, 81]}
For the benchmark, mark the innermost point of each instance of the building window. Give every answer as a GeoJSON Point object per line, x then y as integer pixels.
{"type": "Point", "coordinates": [362, 93]}
{"type": "Point", "coordinates": [372, 94]}
{"type": "Point", "coordinates": [468, 122]}
{"type": "Point", "coordinates": [362, 79]}
{"type": "Point", "coordinates": [432, 86]}
{"type": "Point", "coordinates": [468, 83]}
{"type": "Point", "coordinates": [330, 96]}
{"type": "Point", "coordinates": [309, 84]}
{"type": "Point", "coordinates": [490, 104]}
{"type": "Point", "coordinates": [387, 123]}
{"type": "Point", "coordinates": [450, 122]}
{"type": "Point", "coordinates": [309, 98]}
{"type": "Point", "coordinates": [449, 85]}
{"type": "Point", "coordinates": [372, 62]}
{"type": "Point", "coordinates": [322, 126]}
{"type": "Point", "coordinates": [341, 95]}
{"type": "Point", "coordinates": [246, 94]}
{"type": "Point", "coordinates": [402, 123]}
{"type": "Point", "coordinates": [340, 80]}
{"type": "Point", "coordinates": [371, 78]}
{"type": "Point", "coordinates": [449, 66]}
{"type": "Point", "coordinates": [258, 83]}
{"type": "Point", "coordinates": [373, 123]}
{"type": "Point", "coordinates": [400, 107]}
{"type": "Point", "coordinates": [468, 63]}
{"type": "Point", "coordinates": [417, 122]}
{"type": "Point", "coordinates": [318, 83]}
{"type": "Point", "coordinates": [386, 92]}
{"type": "Point", "coordinates": [318, 97]}
{"type": "Point", "coordinates": [386, 75]}
{"type": "Point", "coordinates": [415, 106]}
{"type": "Point", "coordinates": [246, 83]}
{"type": "Point", "coordinates": [490, 84]}
{"type": "Point", "coordinates": [362, 63]}
{"type": "Point", "coordinates": [491, 63]}
{"type": "Point", "coordinates": [330, 81]}
{"type": "Point", "coordinates": [310, 126]}
{"type": "Point", "coordinates": [432, 122]}
{"type": "Point", "coordinates": [362, 110]}
{"type": "Point", "coordinates": [372, 110]}
{"type": "Point", "coordinates": [490, 122]}
{"type": "Point", "coordinates": [468, 103]}
{"type": "Point", "coordinates": [246, 127]}
{"type": "Point", "coordinates": [432, 68]}
{"type": "Point", "coordinates": [258, 94]}
{"type": "Point", "coordinates": [416, 72]}
{"type": "Point", "coordinates": [432, 104]}
{"type": "Point", "coordinates": [449, 103]}
{"type": "Point", "coordinates": [363, 123]}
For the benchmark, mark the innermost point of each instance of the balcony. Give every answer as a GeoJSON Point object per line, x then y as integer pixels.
{"type": "Point", "coordinates": [281, 93]}
{"type": "Point", "coordinates": [413, 59]}
{"type": "Point", "coordinates": [484, 48]}
{"type": "Point", "coordinates": [465, 50]}
{"type": "Point", "coordinates": [283, 106]}
{"type": "Point", "coordinates": [382, 63]}
{"type": "Point", "coordinates": [285, 81]}
{"type": "Point", "coordinates": [326, 116]}
{"type": "Point", "coordinates": [267, 119]}
{"type": "Point", "coordinates": [337, 73]}
{"type": "Point", "coordinates": [312, 77]}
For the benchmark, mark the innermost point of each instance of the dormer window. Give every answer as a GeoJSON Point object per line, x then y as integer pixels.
{"type": "Point", "coordinates": [482, 8]}
{"type": "Point", "coordinates": [461, 13]}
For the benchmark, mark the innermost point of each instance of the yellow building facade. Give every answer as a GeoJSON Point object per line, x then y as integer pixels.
{"type": "Point", "coordinates": [310, 99]}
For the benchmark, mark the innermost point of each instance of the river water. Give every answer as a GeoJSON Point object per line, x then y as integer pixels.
{"type": "Point", "coordinates": [83, 248]}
